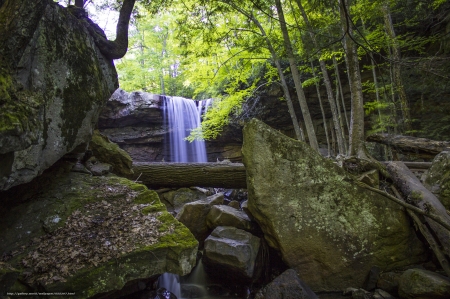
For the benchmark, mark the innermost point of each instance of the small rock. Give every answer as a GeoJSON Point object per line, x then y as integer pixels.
{"type": "Point", "coordinates": [231, 252]}
{"type": "Point", "coordinates": [371, 280]}
{"type": "Point", "coordinates": [287, 285]}
{"type": "Point", "coordinates": [100, 169]}
{"type": "Point", "coordinates": [380, 294]}
{"type": "Point", "coordinates": [418, 283]}
{"type": "Point", "coordinates": [222, 215]}
{"type": "Point", "coordinates": [371, 178]}
{"type": "Point", "coordinates": [234, 204]}
{"type": "Point", "coordinates": [78, 167]}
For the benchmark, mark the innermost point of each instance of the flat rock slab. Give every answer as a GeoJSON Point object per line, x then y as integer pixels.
{"type": "Point", "coordinates": [322, 223]}
{"type": "Point", "coordinates": [90, 235]}
{"type": "Point", "coordinates": [222, 215]}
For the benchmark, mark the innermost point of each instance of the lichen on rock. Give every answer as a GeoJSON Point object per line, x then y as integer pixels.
{"type": "Point", "coordinates": [322, 223]}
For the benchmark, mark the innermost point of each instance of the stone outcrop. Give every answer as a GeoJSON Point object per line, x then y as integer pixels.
{"type": "Point", "coordinates": [107, 151]}
{"type": "Point", "coordinates": [53, 84]}
{"type": "Point", "coordinates": [89, 235]}
{"type": "Point", "coordinates": [231, 253]}
{"type": "Point", "coordinates": [438, 178]}
{"type": "Point", "coordinates": [322, 223]}
{"type": "Point", "coordinates": [286, 285]}
{"type": "Point", "coordinates": [418, 283]}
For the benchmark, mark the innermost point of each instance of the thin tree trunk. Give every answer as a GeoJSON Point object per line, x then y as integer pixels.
{"type": "Point", "coordinates": [297, 129]}
{"type": "Point", "coordinates": [340, 136]}
{"type": "Point", "coordinates": [341, 121]}
{"type": "Point", "coordinates": [356, 138]}
{"type": "Point", "coordinates": [341, 91]}
{"type": "Point", "coordinates": [321, 109]}
{"type": "Point", "coordinates": [397, 75]}
{"type": "Point", "coordinates": [297, 81]}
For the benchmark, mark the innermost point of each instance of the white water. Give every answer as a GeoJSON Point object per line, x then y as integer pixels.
{"type": "Point", "coordinates": [182, 116]}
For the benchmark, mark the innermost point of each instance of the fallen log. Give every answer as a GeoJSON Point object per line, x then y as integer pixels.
{"type": "Point", "coordinates": [410, 144]}
{"type": "Point", "coordinates": [164, 174]}
{"type": "Point", "coordinates": [421, 197]}
{"type": "Point", "coordinates": [427, 235]}
{"type": "Point", "coordinates": [413, 165]}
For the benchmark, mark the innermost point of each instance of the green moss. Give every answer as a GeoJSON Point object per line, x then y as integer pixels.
{"type": "Point", "coordinates": [153, 209]}
{"type": "Point", "coordinates": [147, 196]}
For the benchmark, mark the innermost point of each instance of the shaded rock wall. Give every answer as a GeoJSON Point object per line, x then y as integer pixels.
{"type": "Point", "coordinates": [53, 84]}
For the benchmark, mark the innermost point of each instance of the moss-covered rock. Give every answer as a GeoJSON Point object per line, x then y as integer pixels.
{"type": "Point", "coordinates": [328, 229]}
{"type": "Point", "coordinates": [438, 178]}
{"type": "Point", "coordinates": [50, 94]}
{"type": "Point", "coordinates": [107, 151]}
{"type": "Point", "coordinates": [90, 235]}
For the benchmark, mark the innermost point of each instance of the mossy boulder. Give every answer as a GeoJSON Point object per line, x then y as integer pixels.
{"type": "Point", "coordinates": [326, 227]}
{"type": "Point", "coordinates": [111, 153]}
{"type": "Point", "coordinates": [438, 178]}
{"type": "Point", "coordinates": [51, 88]}
{"type": "Point", "coordinates": [90, 235]}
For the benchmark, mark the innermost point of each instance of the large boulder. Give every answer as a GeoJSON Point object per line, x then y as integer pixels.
{"type": "Point", "coordinates": [418, 283]}
{"type": "Point", "coordinates": [53, 82]}
{"type": "Point", "coordinates": [322, 223]}
{"type": "Point", "coordinates": [286, 285]}
{"type": "Point", "coordinates": [231, 253]}
{"type": "Point", "coordinates": [89, 234]}
{"type": "Point", "coordinates": [176, 199]}
{"type": "Point", "coordinates": [438, 178]}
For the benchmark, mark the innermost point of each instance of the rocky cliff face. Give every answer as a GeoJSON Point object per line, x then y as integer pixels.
{"type": "Point", "coordinates": [52, 86]}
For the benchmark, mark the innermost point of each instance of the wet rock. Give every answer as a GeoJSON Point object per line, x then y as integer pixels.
{"type": "Point", "coordinates": [222, 215]}
{"type": "Point", "coordinates": [287, 285]}
{"type": "Point", "coordinates": [53, 97]}
{"type": "Point", "coordinates": [231, 253]}
{"type": "Point", "coordinates": [437, 179]}
{"type": "Point", "coordinates": [90, 234]}
{"type": "Point", "coordinates": [162, 293]}
{"type": "Point", "coordinates": [110, 152]}
{"type": "Point", "coordinates": [418, 283]}
{"type": "Point", "coordinates": [193, 215]}
{"type": "Point", "coordinates": [322, 223]}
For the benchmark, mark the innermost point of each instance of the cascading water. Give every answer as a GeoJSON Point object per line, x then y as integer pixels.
{"type": "Point", "coordinates": [182, 115]}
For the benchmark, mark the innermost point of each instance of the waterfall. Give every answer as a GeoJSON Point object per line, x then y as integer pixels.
{"type": "Point", "coordinates": [182, 115]}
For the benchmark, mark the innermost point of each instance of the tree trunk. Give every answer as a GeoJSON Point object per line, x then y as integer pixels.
{"type": "Point", "coordinates": [325, 127]}
{"type": "Point", "coordinates": [421, 197]}
{"type": "Point", "coordinates": [356, 132]}
{"type": "Point", "coordinates": [410, 144]}
{"type": "Point", "coordinates": [297, 81]}
{"type": "Point", "coordinates": [220, 175]}
{"type": "Point", "coordinates": [397, 75]}
{"type": "Point", "coordinates": [118, 48]}
{"type": "Point", "coordinates": [333, 105]}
